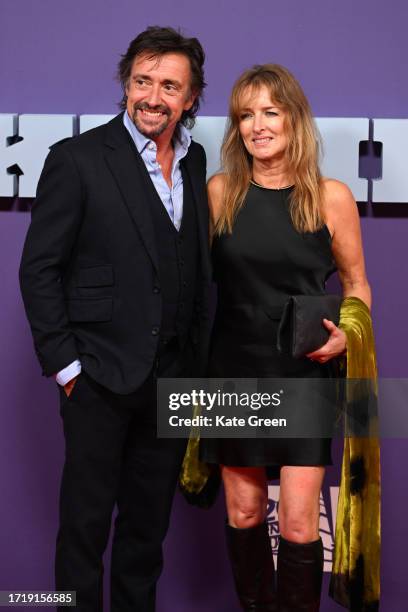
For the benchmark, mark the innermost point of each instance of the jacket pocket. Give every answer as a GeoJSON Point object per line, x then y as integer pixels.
{"type": "Point", "coordinates": [95, 276]}
{"type": "Point", "coordinates": [86, 310]}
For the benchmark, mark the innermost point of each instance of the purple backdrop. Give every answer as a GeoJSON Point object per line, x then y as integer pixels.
{"type": "Point", "coordinates": [60, 57]}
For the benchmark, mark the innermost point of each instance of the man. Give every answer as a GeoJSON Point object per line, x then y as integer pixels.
{"type": "Point", "coordinates": [114, 277]}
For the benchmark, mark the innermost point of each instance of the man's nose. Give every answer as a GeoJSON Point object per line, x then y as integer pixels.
{"type": "Point", "coordinates": [154, 97]}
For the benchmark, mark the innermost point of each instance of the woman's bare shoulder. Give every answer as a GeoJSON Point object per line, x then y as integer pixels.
{"type": "Point", "coordinates": [216, 184]}
{"type": "Point", "coordinates": [335, 192]}
{"type": "Point", "coordinates": [339, 208]}
{"type": "Point", "coordinates": [215, 187]}
{"type": "Point", "coordinates": [337, 199]}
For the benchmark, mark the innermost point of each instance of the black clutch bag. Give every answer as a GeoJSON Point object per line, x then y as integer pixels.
{"type": "Point", "coordinates": [301, 328]}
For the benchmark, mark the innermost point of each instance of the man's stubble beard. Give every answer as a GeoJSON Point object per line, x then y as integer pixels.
{"type": "Point", "coordinates": [150, 132]}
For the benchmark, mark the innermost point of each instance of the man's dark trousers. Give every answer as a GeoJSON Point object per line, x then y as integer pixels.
{"type": "Point", "coordinates": [113, 455]}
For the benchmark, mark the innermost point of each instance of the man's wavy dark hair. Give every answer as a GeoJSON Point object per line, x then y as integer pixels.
{"type": "Point", "coordinates": [156, 41]}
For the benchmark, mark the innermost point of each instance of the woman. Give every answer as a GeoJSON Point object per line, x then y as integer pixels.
{"type": "Point", "coordinates": [279, 229]}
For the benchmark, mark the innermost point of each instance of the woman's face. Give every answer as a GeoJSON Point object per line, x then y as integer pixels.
{"type": "Point", "coordinates": [262, 126]}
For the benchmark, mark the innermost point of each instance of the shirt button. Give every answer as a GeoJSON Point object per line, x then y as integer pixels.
{"type": "Point", "coordinates": [155, 331]}
{"type": "Point", "coordinates": [184, 283]}
{"type": "Point", "coordinates": [181, 262]}
{"type": "Point", "coordinates": [151, 146]}
{"type": "Point", "coordinates": [156, 289]}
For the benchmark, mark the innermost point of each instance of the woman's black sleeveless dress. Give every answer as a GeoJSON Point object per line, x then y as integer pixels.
{"type": "Point", "coordinates": [256, 268]}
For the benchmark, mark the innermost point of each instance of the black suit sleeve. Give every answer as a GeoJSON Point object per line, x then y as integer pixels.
{"type": "Point", "coordinates": [55, 222]}
{"type": "Point", "coordinates": [202, 321]}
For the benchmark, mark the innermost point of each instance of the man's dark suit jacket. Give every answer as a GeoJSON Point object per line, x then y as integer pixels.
{"type": "Point", "coordinates": [89, 272]}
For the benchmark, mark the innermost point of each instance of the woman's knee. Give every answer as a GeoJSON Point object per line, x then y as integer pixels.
{"type": "Point", "coordinates": [300, 529]}
{"type": "Point", "coordinates": [246, 497]}
{"type": "Point", "coordinates": [299, 506]}
{"type": "Point", "coordinates": [247, 514]}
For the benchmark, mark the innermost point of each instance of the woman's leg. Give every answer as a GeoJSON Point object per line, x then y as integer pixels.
{"type": "Point", "coordinates": [246, 495]}
{"type": "Point", "coordinates": [248, 540]}
{"type": "Point", "coordinates": [300, 556]}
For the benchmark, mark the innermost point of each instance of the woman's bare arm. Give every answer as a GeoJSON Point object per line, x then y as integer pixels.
{"type": "Point", "coordinates": [343, 222]}
{"type": "Point", "coordinates": [215, 189]}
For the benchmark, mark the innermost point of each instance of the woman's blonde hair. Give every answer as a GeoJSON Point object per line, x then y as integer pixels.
{"type": "Point", "coordinates": [302, 153]}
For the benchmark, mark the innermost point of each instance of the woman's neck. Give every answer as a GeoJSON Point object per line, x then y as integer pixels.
{"type": "Point", "coordinates": [273, 176]}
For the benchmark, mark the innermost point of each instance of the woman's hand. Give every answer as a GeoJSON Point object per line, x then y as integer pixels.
{"type": "Point", "coordinates": [335, 346]}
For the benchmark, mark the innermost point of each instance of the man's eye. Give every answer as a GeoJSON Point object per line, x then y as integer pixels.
{"type": "Point", "coordinates": [170, 87]}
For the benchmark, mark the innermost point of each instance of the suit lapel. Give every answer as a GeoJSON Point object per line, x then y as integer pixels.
{"type": "Point", "coordinates": [137, 189]}
{"type": "Point", "coordinates": [131, 176]}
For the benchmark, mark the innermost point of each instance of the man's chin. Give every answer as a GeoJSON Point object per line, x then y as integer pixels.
{"type": "Point", "coordinates": [150, 130]}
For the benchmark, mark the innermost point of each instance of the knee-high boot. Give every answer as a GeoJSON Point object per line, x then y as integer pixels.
{"type": "Point", "coordinates": [251, 559]}
{"type": "Point", "coordinates": [300, 573]}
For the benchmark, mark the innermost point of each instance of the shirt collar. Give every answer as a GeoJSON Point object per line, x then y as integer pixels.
{"type": "Point", "coordinates": [181, 138]}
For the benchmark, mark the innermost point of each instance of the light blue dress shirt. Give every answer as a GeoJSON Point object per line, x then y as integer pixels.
{"type": "Point", "coordinates": [172, 197]}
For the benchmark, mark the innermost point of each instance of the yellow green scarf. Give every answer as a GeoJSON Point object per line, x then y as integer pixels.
{"type": "Point", "coordinates": [194, 473]}
{"type": "Point", "coordinates": [355, 581]}
{"type": "Point", "coordinates": [198, 481]}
